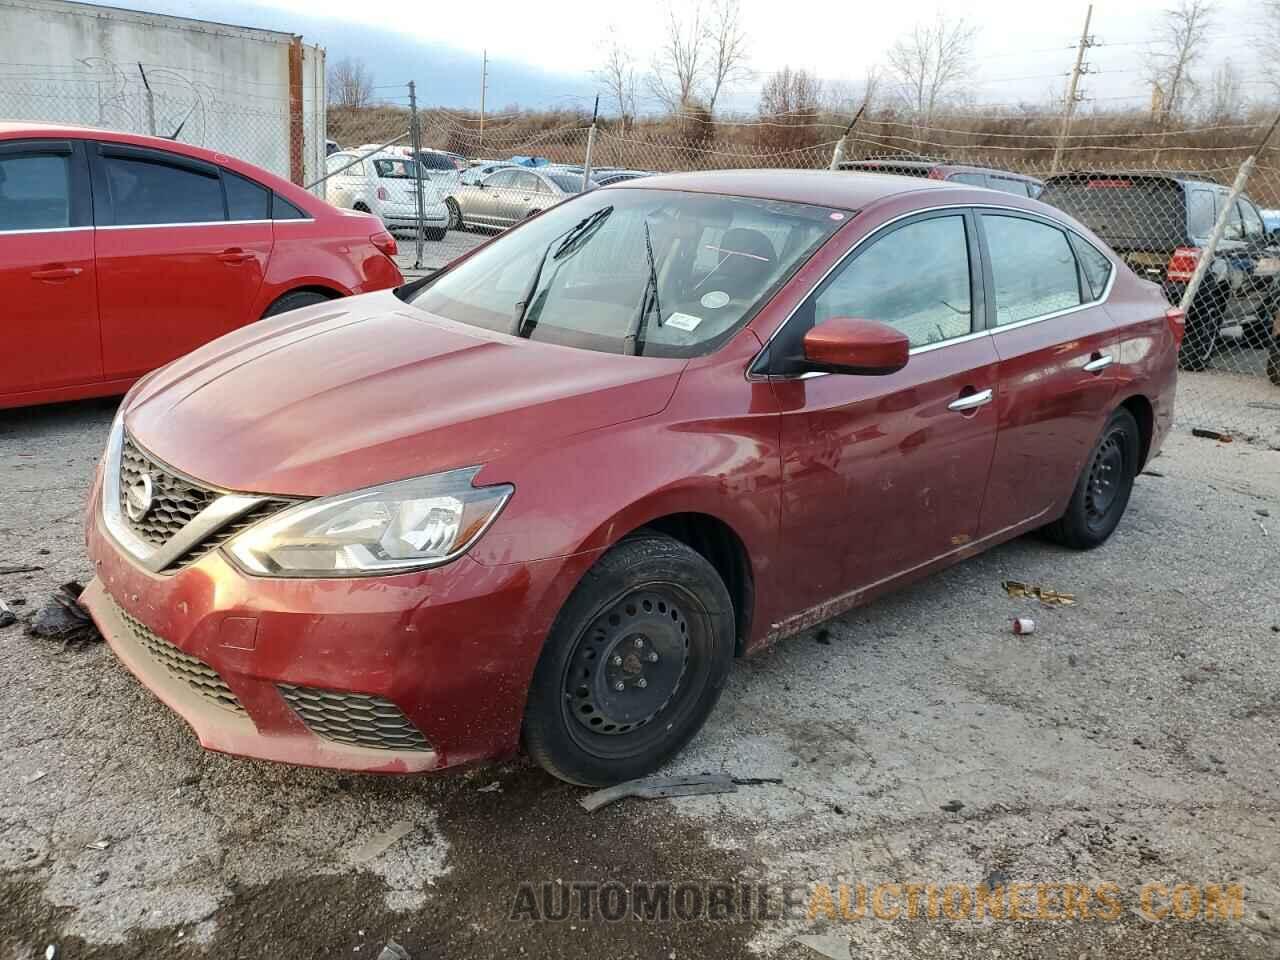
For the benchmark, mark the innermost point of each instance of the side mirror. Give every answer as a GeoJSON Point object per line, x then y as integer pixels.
{"type": "Point", "coordinates": [865, 347]}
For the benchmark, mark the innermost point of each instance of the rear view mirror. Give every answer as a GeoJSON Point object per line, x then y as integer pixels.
{"type": "Point", "coordinates": [851, 346]}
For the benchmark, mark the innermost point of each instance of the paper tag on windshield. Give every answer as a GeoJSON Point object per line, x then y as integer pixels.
{"type": "Point", "coordinates": [684, 321]}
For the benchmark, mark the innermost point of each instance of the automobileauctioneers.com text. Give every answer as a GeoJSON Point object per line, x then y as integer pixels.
{"type": "Point", "coordinates": [568, 900]}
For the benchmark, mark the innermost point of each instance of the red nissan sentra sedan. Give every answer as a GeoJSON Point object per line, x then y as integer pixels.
{"type": "Point", "coordinates": [546, 495]}
{"type": "Point", "coordinates": [119, 253]}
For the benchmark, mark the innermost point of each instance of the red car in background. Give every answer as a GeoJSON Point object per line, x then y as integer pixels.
{"type": "Point", "coordinates": [119, 253]}
{"type": "Point", "coordinates": [545, 495]}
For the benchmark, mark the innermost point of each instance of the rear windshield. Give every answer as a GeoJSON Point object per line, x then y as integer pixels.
{"type": "Point", "coordinates": [566, 181]}
{"type": "Point", "coordinates": [437, 161]}
{"type": "Point", "coordinates": [1130, 213]}
{"type": "Point", "coordinates": [630, 271]}
{"type": "Point", "coordinates": [397, 169]}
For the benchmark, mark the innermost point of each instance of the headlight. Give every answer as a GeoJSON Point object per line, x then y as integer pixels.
{"type": "Point", "coordinates": [407, 525]}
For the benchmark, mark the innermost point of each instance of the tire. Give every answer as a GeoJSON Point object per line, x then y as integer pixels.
{"type": "Point", "coordinates": [1258, 334]}
{"type": "Point", "coordinates": [455, 214]}
{"type": "Point", "coordinates": [435, 234]}
{"type": "Point", "coordinates": [362, 208]}
{"type": "Point", "coordinates": [1103, 488]}
{"type": "Point", "coordinates": [1204, 328]}
{"type": "Point", "coordinates": [1273, 363]}
{"type": "Point", "coordinates": [653, 615]}
{"type": "Point", "coordinates": [295, 301]}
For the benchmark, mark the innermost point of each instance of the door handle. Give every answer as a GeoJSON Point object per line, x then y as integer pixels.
{"type": "Point", "coordinates": [971, 401]}
{"type": "Point", "coordinates": [56, 273]}
{"type": "Point", "coordinates": [234, 255]}
{"type": "Point", "coordinates": [1099, 362]}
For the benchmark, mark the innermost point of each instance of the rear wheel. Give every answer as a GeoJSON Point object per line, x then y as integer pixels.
{"type": "Point", "coordinates": [1103, 488]}
{"type": "Point", "coordinates": [294, 301]}
{"type": "Point", "coordinates": [1273, 363]}
{"type": "Point", "coordinates": [455, 214]}
{"type": "Point", "coordinates": [633, 666]}
{"type": "Point", "coordinates": [1204, 326]}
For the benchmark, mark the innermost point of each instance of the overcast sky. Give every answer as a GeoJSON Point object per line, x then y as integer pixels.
{"type": "Point", "coordinates": [1024, 49]}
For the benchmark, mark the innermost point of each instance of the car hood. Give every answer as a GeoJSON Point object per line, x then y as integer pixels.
{"type": "Point", "coordinates": [366, 390]}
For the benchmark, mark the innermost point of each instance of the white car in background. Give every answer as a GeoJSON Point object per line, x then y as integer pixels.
{"type": "Point", "coordinates": [382, 184]}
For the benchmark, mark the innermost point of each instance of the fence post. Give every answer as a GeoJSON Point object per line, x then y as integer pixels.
{"type": "Point", "coordinates": [415, 139]}
{"type": "Point", "coordinates": [1237, 188]}
{"type": "Point", "coordinates": [837, 155]}
{"type": "Point", "coordinates": [591, 141]}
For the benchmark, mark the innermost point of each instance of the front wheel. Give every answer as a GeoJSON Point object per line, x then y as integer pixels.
{"type": "Point", "coordinates": [1273, 363]}
{"type": "Point", "coordinates": [633, 665]}
{"type": "Point", "coordinates": [455, 214]}
{"type": "Point", "coordinates": [1102, 490]}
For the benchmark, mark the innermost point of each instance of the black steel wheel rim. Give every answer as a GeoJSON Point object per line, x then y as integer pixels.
{"type": "Point", "coordinates": [1106, 478]}
{"type": "Point", "coordinates": [635, 663]}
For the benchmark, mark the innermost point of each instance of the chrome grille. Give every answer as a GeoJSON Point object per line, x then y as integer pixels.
{"type": "Point", "coordinates": [355, 718]}
{"type": "Point", "coordinates": [192, 671]}
{"type": "Point", "coordinates": [176, 502]}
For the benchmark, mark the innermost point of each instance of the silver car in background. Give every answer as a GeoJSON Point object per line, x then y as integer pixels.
{"type": "Point", "coordinates": [507, 196]}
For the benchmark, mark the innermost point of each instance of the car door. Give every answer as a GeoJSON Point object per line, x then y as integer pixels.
{"type": "Point", "coordinates": [1057, 377]}
{"type": "Point", "coordinates": [882, 475]}
{"type": "Point", "coordinates": [486, 202]}
{"type": "Point", "coordinates": [48, 282]}
{"type": "Point", "coordinates": [173, 271]}
{"type": "Point", "coordinates": [521, 196]}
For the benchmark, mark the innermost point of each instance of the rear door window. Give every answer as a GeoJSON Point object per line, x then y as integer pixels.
{"type": "Point", "coordinates": [1033, 267]}
{"type": "Point", "coordinates": [155, 192]}
{"type": "Point", "coordinates": [246, 200]}
{"type": "Point", "coordinates": [35, 192]}
{"type": "Point", "coordinates": [1200, 213]}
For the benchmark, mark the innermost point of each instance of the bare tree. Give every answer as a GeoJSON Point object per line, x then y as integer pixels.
{"type": "Point", "coordinates": [1224, 98]}
{"type": "Point", "coordinates": [677, 68]}
{"type": "Point", "coordinates": [847, 98]}
{"type": "Point", "coordinates": [931, 64]}
{"type": "Point", "coordinates": [618, 74]}
{"type": "Point", "coordinates": [350, 84]}
{"type": "Point", "coordinates": [1266, 42]}
{"type": "Point", "coordinates": [1180, 39]}
{"type": "Point", "coordinates": [790, 108]}
{"type": "Point", "coordinates": [727, 50]}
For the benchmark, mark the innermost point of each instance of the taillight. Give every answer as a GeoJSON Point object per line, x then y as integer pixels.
{"type": "Point", "coordinates": [1176, 317]}
{"type": "Point", "coordinates": [382, 194]}
{"type": "Point", "coordinates": [1183, 264]}
{"type": "Point", "coordinates": [385, 242]}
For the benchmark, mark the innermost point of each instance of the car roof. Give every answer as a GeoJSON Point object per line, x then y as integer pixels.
{"type": "Point", "coordinates": [848, 190]}
{"type": "Point", "coordinates": [944, 166]}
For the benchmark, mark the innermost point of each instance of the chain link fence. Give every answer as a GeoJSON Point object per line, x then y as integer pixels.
{"type": "Point", "coordinates": [1155, 195]}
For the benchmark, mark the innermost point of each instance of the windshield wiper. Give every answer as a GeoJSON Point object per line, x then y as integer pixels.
{"type": "Point", "coordinates": [635, 334]}
{"type": "Point", "coordinates": [569, 241]}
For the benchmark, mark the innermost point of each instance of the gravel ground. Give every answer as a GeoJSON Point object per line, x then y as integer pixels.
{"type": "Point", "coordinates": [1131, 739]}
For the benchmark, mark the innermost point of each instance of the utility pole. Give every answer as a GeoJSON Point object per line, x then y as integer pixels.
{"type": "Point", "coordinates": [484, 84]}
{"type": "Point", "coordinates": [1086, 41]}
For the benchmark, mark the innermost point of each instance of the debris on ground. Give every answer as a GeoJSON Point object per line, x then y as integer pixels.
{"type": "Point", "coordinates": [20, 568]}
{"type": "Point", "coordinates": [393, 951]}
{"type": "Point", "coordinates": [7, 617]}
{"type": "Point", "coordinates": [382, 842]}
{"type": "Point", "coordinates": [35, 777]}
{"type": "Point", "coordinates": [494, 787]}
{"type": "Point", "coordinates": [1207, 434]}
{"type": "Point", "coordinates": [1023, 626]}
{"type": "Point", "coordinates": [62, 618]}
{"type": "Point", "coordinates": [1152, 473]}
{"type": "Point", "coordinates": [1050, 598]}
{"type": "Point", "coordinates": [827, 945]}
{"type": "Point", "coordinates": [953, 806]}
{"type": "Point", "coordinates": [1263, 512]}
{"type": "Point", "coordinates": [660, 787]}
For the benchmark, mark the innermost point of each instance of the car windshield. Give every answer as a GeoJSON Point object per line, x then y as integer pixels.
{"type": "Point", "coordinates": [633, 271]}
{"type": "Point", "coordinates": [398, 169]}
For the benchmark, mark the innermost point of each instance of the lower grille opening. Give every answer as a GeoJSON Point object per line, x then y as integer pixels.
{"type": "Point", "coordinates": [355, 718]}
{"type": "Point", "coordinates": [192, 671]}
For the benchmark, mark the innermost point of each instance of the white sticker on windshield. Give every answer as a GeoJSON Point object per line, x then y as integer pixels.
{"type": "Point", "coordinates": [715, 299]}
{"type": "Point", "coordinates": [684, 321]}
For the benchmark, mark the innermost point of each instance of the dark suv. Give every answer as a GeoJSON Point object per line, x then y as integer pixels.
{"type": "Point", "coordinates": [1160, 224]}
{"type": "Point", "coordinates": [1018, 184]}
